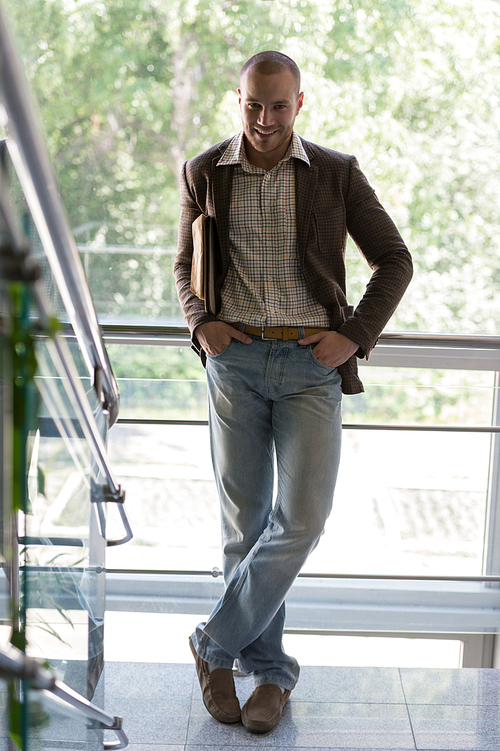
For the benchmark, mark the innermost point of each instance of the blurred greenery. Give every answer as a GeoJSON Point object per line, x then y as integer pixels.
{"type": "Point", "coordinates": [160, 382]}
{"type": "Point", "coordinates": [169, 383]}
{"type": "Point", "coordinates": [128, 89]}
{"type": "Point", "coordinates": [419, 397]}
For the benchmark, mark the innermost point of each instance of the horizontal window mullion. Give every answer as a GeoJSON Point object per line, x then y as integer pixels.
{"type": "Point", "coordinates": [461, 607]}
{"type": "Point", "coordinates": [345, 426]}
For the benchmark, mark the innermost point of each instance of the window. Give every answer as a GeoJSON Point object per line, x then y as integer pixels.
{"type": "Point", "coordinates": [128, 91]}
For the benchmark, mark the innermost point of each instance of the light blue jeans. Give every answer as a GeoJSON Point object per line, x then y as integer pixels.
{"type": "Point", "coordinates": [266, 397]}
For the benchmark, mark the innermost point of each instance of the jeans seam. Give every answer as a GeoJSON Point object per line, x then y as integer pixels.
{"type": "Point", "coordinates": [242, 578]}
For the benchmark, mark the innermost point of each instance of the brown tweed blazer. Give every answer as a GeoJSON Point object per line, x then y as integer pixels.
{"type": "Point", "coordinates": [333, 198]}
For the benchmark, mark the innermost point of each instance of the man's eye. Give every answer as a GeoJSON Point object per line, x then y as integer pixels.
{"type": "Point", "coordinates": [254, 105]}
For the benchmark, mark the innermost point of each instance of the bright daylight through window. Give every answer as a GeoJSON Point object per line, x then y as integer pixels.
{"type": "Point", "coordinates": [129, 89]}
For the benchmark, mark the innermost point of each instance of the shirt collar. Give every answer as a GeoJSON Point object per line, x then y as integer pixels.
{"type": "Point", "coordinates": [235, 152]}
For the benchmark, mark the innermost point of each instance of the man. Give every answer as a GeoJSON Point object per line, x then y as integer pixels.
{"type": "Point", "coordinates": [279, 351]}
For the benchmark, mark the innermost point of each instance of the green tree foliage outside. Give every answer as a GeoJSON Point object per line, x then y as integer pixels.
{"type": "Point", "coordinates": [128, 89]}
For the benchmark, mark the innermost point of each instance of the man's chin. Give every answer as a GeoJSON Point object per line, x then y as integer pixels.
{"type": "Point", "coordinates": [266, 144]}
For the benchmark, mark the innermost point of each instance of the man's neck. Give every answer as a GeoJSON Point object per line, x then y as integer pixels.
{"type": "Point", "coordinates": [265, 161]}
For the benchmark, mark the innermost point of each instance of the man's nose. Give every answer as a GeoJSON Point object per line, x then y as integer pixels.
{"type": "Point", "coordinates": [266, 116]}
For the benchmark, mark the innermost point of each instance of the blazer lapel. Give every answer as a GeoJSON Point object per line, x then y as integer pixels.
{"type": "Point", "coordinates": [222, 180]}
{"type": "Point", "coordinates": [306, 179]}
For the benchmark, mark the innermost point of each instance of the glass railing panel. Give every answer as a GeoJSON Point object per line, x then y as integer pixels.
{"type": "Point", "coordinates": [418, 504]}
{"type": "Point", "coordinates": [169, 382]}
{"type": "Point", "coordinates": [132, 284]}
{"type": "Point", "coordinates": [54, 716]}
{"type": "Point", "coordinates": [411, 396]}
{"type": "Point", "coordinates": [38, 215]}
{"type": "Point", "coordinates": [4, 719]}
{"type": "Point", "coordinates": [172, 399]}
{"type": "Point", "coordinates": [171, 497]}
{"type": "Point", "coordinates": [159, 382]}
{"type": "Point", "coordinates": [64, 551]}
{"type": "Point", "coordinates": [47, 283]}
{"type": "Point", "coordinates": [51, 724]}
{"type": "Point", "coordinates": [5, 468]}
{"type": "Point", "coordinates": [55, 726]}
{"type": "Point", "coordinates": [49, 287]}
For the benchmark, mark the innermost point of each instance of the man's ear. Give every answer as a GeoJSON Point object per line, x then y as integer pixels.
{"type": "Point", "coordinates": [239, 96]}
{"type": "Point", "coordinates": [300, 101]}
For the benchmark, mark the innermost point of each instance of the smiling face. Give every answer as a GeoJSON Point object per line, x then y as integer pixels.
{"type": "Point", "coordinates": [269, 105]}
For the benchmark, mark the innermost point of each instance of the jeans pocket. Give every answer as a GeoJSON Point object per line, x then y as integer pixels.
{"type": "Point", "coordinates": [325, 368]}
{"type": "Point", "coordinates": [219, 354]}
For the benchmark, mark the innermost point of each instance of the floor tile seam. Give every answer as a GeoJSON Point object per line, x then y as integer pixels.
{"type": "Point", "coordinates": [448, 704]}
{"type": "Point", "coordinates": [194, 697]}
{"type": "Point", "coordinates": [411, 728]}
{"type": "Point", "coordinates": [402, 685]}
{"type": "Point", "coordinates": [407, 710]}
{"type": "Point", "coordinates": [358, 701]}
{"type": "Point", "coordinates": [224, 747]}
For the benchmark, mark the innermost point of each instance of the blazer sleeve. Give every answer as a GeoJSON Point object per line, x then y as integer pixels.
{"type": "Point", "coordinates": [191, 207]}
{"type": "Point", "coordinates": [379, 241]}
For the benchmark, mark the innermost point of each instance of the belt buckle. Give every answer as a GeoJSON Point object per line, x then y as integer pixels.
{"type": "Point", "coordinates": [265, 338]}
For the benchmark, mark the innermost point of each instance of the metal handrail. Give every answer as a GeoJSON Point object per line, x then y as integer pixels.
{"type": "Point", "coordinates": [66, 369]}
{"type": "Point", "coordinates": [215, 573]}
{"type": "Point", "coordinates": [15, 664]}
{"type": "Point", "coordinates": [39, 183]}
{"type": "Point", "coordinates": [113, 492]}
{"type": "Point", "coordinates": [387, 337]}
{"type": "Point", "coordinates": [443, 340]}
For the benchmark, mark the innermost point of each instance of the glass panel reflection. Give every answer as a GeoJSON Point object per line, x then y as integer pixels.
{"type": "Point", "coordinates": [63, 553]}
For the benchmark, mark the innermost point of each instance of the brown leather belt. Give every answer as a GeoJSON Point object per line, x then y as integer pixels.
{"type": "Point", "coordinates": [279, 332]}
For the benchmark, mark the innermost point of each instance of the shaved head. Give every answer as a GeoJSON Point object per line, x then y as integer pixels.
{"type": "Point", "coordinates": [269, 63]}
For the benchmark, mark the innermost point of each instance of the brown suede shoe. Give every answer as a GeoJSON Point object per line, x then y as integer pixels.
{"type": "Point", "coordinates": [219, 695]}
{"type": "Point", "coordinates": [262, 712]}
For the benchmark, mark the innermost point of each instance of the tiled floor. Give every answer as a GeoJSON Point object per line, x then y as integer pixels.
{"type": "Point", "coordinates": [387, 709]}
